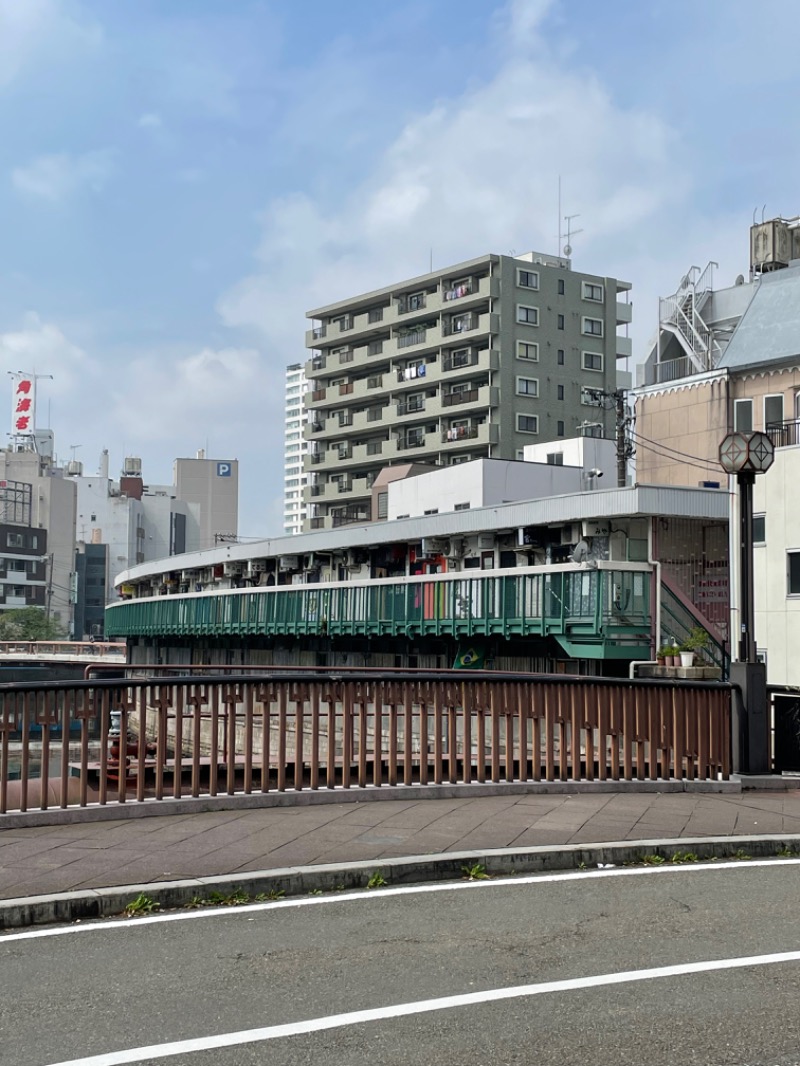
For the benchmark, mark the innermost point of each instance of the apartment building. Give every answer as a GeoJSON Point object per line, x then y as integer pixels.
{"type": "Point", "coordinates": [294, 448]}
{"type": "Point", "coordinates": [476, 360]}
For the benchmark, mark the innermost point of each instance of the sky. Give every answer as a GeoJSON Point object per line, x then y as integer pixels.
{"type": "Point", "coordinates": [181, 180]}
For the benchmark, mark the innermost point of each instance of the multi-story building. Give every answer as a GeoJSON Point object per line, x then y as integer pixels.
{"type": "Point", "coordinates": [91, 586]}
{"type": "Point", "coordinates": [730, 359]}
{"type": "Point", "coordinates": [213, 485]}
{"type": "Point", "coordinates": [24, 569]}
{"type": "Point", "coordinates": [476, 360]}
{"type": "Point", "coordinates": [294, 448]}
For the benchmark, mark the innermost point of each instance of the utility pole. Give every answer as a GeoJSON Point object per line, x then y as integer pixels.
{"type": "Point", "coordinates": [49, 584]}
{"type": "Point", "coordinates": [625, 449]}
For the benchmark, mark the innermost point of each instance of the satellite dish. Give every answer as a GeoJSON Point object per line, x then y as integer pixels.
{"type": "Point", "coordinates": [580, 552]}
{"type": "Point", "coordinates": [567, 249]}
{"type": "Point", "coordinates": [739, 279]}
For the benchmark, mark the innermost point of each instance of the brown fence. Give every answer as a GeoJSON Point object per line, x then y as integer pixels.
{"type": "Point", "coordinates": [191, 736]}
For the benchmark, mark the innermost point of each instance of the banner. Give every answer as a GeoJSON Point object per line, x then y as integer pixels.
{"type": "Point", "coordinates": [472, 657]}
{"type": "Point", "coordinates": [23, 405]}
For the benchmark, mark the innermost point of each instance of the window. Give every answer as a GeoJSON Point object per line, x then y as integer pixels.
{"type": "Point", "coordinates": [591, 397]}
{"type": "Point", "coordinates": [560, 392]}
{"type": "Point", "coordinates": [383, 504]}
{"type": "Point", "coordinates": [592, 327]}
{"type": "Point", "coordinates": [527, 423]}
{"type": "Point", "coordinates": [793, 573]}
{"type": "Point", "coordinates": [529, 316]}
{"type": "Point", "coordinates": [592, 292]}
{"type": "Point", "coordinates": [560, 321]}
{"type": "Point", "coordinates": [15, 564]}
{"type": "Point", "coordinates": [461, 507]}
{"type": "Point", "coordinates": [375, 314]}
{"type": "Point", "coordinates": [555, 458]}
{"type": "Point", "coordinates": [759, 529]}
{"type": "Point", "coordinates": [528, 351]}
{"type": "Point", "coordinates": [416, 301]}
{"type": "Point", "coordinates": [773, 410]}
{"type": "Point", "coordinates": [433, 510]}
{"type": "Point", "coordinates": [527, 387]}
{"type": "Point", "coordinates": [743, 416]}
{"type": "Point", "coordinates": [527, 279]}
{"type": "Point", "coordinates": [560, 286]}
{"type": "Point", "coordinates": [560, 357]}
{"type": "Point", "coordinates": [16, 540]}
{"type": "Point", "coordinates": [592, 360]}
{"type": "Point", "coordinates": [560, 428]}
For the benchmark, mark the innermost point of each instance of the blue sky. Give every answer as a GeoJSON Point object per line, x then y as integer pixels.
{"type": "Point", "coordinates": [181, 179]}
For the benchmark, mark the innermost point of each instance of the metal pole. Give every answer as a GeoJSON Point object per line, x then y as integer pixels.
{"type": "Point", "coordinates": [622, 473]}
{"type": "Point", "coordinates": [747, 649]}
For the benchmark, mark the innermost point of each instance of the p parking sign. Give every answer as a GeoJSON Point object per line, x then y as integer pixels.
{"type": "Point", "coordinates": [223, 469]}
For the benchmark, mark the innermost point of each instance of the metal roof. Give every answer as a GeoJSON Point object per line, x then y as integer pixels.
{"type": "Point", "coordinates": [637, 500]}
{"type": "Point", "coordinates": [769, 330]}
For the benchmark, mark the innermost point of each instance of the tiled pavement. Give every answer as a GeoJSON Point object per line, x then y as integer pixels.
{"type": "Point", "coordinates": [135, 851]}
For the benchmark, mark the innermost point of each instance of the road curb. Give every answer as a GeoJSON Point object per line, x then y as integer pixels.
{"type": "Point", "coordinates": [302, 880]}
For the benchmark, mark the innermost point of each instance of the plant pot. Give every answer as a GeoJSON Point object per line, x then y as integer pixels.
{"type": "Point", "coordinates": [673, 660]}
{"type": "Point", "coordinates": [687, 658]}
{"type": "Point", "coordinates": [661, 660]}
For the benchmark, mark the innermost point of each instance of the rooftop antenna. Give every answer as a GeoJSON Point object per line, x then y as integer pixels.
{"type": "Point", "coordinates": [559, 214]}
{"type": "Point", "coordinates": [570, 233]}
{"type": "Point", "coordinates": [73, 448]}
{"type": "Point", "coordinates": [763, 209]}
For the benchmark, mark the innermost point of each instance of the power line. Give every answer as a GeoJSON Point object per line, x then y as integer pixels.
{"type": "Point", "coordinates": [662, 455]}
{"type": "Point", "coordinates": [676, 451]}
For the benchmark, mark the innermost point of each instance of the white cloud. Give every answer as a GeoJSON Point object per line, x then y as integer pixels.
{"type": "Point", "coordinates": [54, 177]}
{"type": "Point", "coordinates": [150, 120]}
{"type": "Point", "coordinates": [29, 28]}
{"type": "Point", "coordinates": [43, 347]}
{"type": "Point", "coordinates": [473, 174]}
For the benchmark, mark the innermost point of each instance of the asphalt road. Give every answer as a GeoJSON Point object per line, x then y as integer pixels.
{"type": "Point", "coordinates": [171, 986]}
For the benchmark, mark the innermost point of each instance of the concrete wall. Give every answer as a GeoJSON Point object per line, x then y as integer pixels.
{"type": "Point", "coordinates": [212, 484]}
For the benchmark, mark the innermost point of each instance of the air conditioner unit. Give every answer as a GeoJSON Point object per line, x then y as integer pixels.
{"type": "Point", "coordinates": [455, 549]}
{"type": "Point", "coordinates": [453, 562]}
{"type": "Point", "coordinates": [595, 529]}
{"type": "Point", "coordinates": [257, 566]}
{"type": "Point", "coordinates": [233, 569]}
{"type": "Point", "coordinates": [485, 541]}
{"type": "Point", "coordinates": [288, 562]}
{"type": "Point", "coordinates": [570, 534]}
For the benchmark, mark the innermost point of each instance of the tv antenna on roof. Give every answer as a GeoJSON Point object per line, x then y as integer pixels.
{"type": "Point", "coordinates": [570, 233]}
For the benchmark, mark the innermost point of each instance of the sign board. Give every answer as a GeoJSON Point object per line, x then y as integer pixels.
{"type": "Point", "coordinates": [23, 404]}
{"type": "Point", "coordinates": [224, 469]}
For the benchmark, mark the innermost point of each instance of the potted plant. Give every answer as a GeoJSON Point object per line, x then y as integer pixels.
{"type": "Point", "coordinates": [696, 642]}
{"type": "Point", "coordinates": [662, 653]}
{"type": "Point", "coordinates": [674, 655]}
{"type": "Point", "coordinates": [686, 655]}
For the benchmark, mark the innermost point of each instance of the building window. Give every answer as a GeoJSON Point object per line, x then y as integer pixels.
{"type": "Point", "coordinates": [527, 387]}
{"type": "Point", "coordinates": [559, 428]}
{"type": "Point", "coordinates": [560, 286]}
{"type": "Point", "coordinates": [560, 392]}
{"type": "Point", "coordinates": [560, 321]}
{"type": "Point", "coordinates": [555, 458]}
{"type": "Point", "coordinates": [15, 564]}
{"type": "Point", "coordinates": [592, 360]}
{"type": "Point", "coordinates": [528, 351]}
{"type": "Point", "coordinates": [592, 292]}
{"type": "Point", "coordinates": [461, 507]}
{"type": "Point", "coordinates": [592, 327]}
{"type": "Point", "coordinates": [527, 279]}
{"type": "Point", "coordinates": [743, 416]}
{"type": "Point", "coordinates": [432, 510]}
{"type": "Point", "coordinates": [793, 573]}
{"type": "Point", "coordinates": [375, 314]}
{"type": "Point", "coordinates": [560, 357]}
{"type": "Point", "coordinates": [759, 529]}
{"type": "Point", "coordinates": [383, 504]}
{"type": "Point", "coordinates": [591, 397]}
{"type": "Point", "coordinates": [527, 423]}
{"type": "Point", "coordinates": [528, 316]}
{"type": "Point", "coordinates": [16, 540]}
{"type": "Point", "coordinates": [773, 410]}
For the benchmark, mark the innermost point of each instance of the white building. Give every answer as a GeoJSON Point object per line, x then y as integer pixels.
{"type": "Point", "coordinates": [294, 476]}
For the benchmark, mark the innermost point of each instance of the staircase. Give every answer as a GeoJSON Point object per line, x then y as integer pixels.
{"type": "Point", "coordinates": [680, 315]}
{"type": "Point", "coordinates": [679, 617]}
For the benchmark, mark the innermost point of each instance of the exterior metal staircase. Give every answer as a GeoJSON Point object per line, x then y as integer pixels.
{"type": "Point", "coordinates": [680, 315]}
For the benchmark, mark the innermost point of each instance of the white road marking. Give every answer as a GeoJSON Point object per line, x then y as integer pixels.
{"type": "Point", "coordinates": [425, 1006]}
{"type": "Point", "coordinates": [102, 925]}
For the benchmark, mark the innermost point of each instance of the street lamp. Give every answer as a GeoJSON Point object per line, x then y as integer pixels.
{"type": "Point", "coordinates": [747, 455]}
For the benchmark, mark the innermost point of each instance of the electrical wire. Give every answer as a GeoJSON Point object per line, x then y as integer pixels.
{"type": "Point", "coordinates": [666, 447]}
{"type": "Point", "coordinates": [673, 458]}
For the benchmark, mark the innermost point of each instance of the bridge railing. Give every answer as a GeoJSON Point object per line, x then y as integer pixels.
{"type": "Point", "coordinates": [62, 649]}
{"type": "Point", "coordinates": [135, 740]}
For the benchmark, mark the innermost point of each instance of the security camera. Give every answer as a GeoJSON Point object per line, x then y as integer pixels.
{"type": "Point", "coordinates": [595, 473]}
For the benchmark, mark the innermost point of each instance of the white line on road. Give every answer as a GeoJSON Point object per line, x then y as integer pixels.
{"type": "Point", "coordinates": [95, 926]}
{"type": "Point", "coordinates": [425, 1006]}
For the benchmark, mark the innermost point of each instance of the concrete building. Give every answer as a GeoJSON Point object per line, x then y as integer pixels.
{"type": "Point", "coordinates": [730, 359]}
{"type": "Point", "coordinates": [52, 509]}
{"type": "Point", "coordinates": [213, 485]}
{"type": "Point", "coordinates": [24, 560]}
{"type": "Point", "coordinates": [91, 587]}
{"type": "Point", "coordinates": [475, 360]}
{"type": "Point", "coordinates": [295, 477]}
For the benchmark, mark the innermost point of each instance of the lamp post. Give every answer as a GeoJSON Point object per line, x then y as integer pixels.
{"type": "Point", "coordinates": [748, 455]}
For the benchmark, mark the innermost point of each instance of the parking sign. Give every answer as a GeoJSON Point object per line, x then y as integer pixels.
{"type": "Point", "coordinates": [223, 469]}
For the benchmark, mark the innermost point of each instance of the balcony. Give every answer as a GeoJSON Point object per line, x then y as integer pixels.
{"type": "Point", "coordinates": [452, 399]}
{"type": "Point", "coordinates": [316, 396]}
{"type": "Point", "coordinates": [784, 434]}
{"type": "Point", "coordinates": [412, 441]}
{"type": "Point", "coordinates": [456, 433]}
{"type": "Point", "coordinates": [460, 324]}
{"type": "Point", "coordinates": [346, 356]}
{"type": "Point", "coordinates": [624, 347]}
{"type": "Point", "coordinates": [411, 406]}
{"type": "Point", "coordinates": [346, 388]}
{"type": "Point", "coordinates": [458, 292]}
{"type": "Point", "coordinates": [350, 516]}
{"type": "Point", "coordinates": [624, 313]}
{"type": "Point", "coordinates": [484, 434]}
{"type": "Point", "coordinates": [408, 340]}
{"type": "Point", "coordinates": [414, 302]}
{"type": "Point", "coordinates": [315, 334]}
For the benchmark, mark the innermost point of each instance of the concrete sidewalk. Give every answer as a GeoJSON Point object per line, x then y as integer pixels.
{"type": "Point", "coordinates": [93, 855]}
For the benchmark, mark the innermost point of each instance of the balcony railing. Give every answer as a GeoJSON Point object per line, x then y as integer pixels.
{"type": "Point", "coordinates": [375, 347]}
{"type": "Point", "coordinates": [458, 362]}
{"type": "Point", "coordinates": [345, 485]}
{"type": "Point", "coordinates": [375, 414]}
{"type": "Point", "coordinates": [459, 433]}
{"type": "Point", "coordinates": [459, 324]}
{"type": "Point", "coordinates": [317, 490]}
{"type": "Point", "coordinates": [317, 395]}
{"type": "Point", "coordinates": [346, 388]}
{"type": "Point", "coordinates": [316, 458]}
{"type": "Point", "coordinates": [411, 372]}
{"type": "Point", "coordinates": [466, 396]}
{"type": "Point", "coordinates": [346, 357]}
{"type": "Point", "coordinates": [405, 443]}
{"type": "Point", "coordinates": [407, 304]}
{"type": "Point", "coordinates": [345, 419]}
{"type": "Point", "coordinates": [349, 517]}
{"type": "Point", "coordinates": [412, 406]}
{"type": "Point", "coordinates": [375, 382]}
{"type": "Point", "coordinates": [406, 340]}
{"type": "Point", "coordinates": [784, 434]}
{"type": "Point", "coordinates": [318, 332]}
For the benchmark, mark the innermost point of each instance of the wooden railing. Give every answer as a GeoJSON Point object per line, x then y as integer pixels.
{"type": "Point", "coordinates": [61, 744]}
